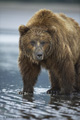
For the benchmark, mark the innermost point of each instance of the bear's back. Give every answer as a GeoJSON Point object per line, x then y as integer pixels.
{"type": "Point", "coordinates": [47, 18]}
{"type": "Point", "coordinates": [69, 23]}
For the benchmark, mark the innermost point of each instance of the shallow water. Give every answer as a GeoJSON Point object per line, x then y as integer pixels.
{"type": "Point", "coordinates": [39, 106]}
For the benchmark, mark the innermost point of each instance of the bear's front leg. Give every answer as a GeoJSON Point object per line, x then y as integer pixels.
{"type": "Point", "coordinates": [29, 79]}
{"type": "Point", "coordinates": [29, 73]}
{"type": "Point", "coordinates": [67, 74]}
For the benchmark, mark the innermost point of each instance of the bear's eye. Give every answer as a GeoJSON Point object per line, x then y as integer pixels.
{"type": "Point", "coordinates": [43, 43]}
{"type": "Point", "coordinates": [32, 43]}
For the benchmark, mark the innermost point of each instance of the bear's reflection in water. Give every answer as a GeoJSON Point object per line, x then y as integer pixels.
{"type": "Point", "coordinates": [57, 107]}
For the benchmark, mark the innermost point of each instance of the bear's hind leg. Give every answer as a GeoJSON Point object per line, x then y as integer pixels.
{"type": "Point", "coordinates": [68, 77]}
{"type": "Point", "coordinates": [54, 84]}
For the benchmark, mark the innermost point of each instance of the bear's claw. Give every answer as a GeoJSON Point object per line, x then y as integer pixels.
{"type": "Point", "coordinates": [24, 93]}
{"type": "Point", "coordinates": [52, 91]}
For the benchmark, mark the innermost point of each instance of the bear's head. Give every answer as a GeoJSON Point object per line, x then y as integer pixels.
{"type": "Point", "coordinates": [36, 42]}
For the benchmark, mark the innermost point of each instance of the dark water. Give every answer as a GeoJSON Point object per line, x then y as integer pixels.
{"type": "Point", "coordinates": [40, 105]}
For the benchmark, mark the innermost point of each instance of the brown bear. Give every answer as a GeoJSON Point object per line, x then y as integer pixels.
{"type": "Point", "coordinates": [51, 41]}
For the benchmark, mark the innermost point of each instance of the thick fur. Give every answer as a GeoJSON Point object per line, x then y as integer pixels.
{"type": "Point", "coordinates": [62, 59]}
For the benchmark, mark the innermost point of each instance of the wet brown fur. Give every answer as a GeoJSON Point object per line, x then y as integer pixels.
{"type": "Point", "coordinates": [63, 60]}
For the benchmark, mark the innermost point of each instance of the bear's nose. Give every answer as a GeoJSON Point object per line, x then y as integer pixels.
{"type": "Point", "coordinates": [39, 56]}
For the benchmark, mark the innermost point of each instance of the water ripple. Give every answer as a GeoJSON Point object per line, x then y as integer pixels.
{"type": "Point", "coordinates": [39, 106]}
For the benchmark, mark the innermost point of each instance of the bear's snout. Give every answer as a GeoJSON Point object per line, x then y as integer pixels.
{"type": "Point", "coordinates": [38, 54]}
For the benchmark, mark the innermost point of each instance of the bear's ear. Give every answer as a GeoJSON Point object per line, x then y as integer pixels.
{"type": "Point", "coordinates": [23, 29]}
{"type": "Point", "coordinates": [52, 29]}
